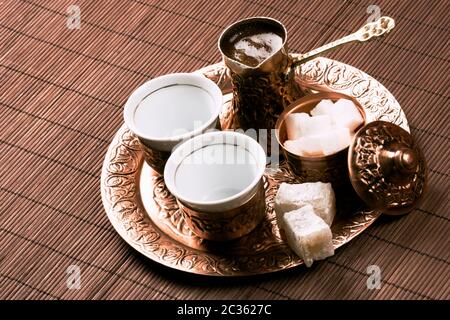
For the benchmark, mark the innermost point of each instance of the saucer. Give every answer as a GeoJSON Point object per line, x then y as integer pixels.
{"type": "Point", "coordinates": [147, 217]}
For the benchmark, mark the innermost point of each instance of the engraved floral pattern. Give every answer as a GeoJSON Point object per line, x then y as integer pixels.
{"type": "Point", "coordinates": [261, 251]}
{"type": "Point", "coordinates": [227, 224]}
{"type": "Point", "coordinates": [259, 99]}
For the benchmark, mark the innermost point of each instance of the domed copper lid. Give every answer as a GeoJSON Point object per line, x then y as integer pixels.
{"type": "Point", "coordinates": [386, 167]}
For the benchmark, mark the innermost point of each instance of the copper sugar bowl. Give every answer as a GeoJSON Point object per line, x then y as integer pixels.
{"type": "Point", "coordinates": [331, 168]}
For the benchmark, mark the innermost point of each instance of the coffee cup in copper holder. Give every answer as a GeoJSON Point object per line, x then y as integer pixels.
{"type": "Point", "coordinates": [217, 179]}
{"type": "Point", "coordinates": [170, 109]}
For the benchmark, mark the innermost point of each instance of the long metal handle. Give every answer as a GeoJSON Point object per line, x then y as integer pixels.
{"type": "Point", "coordinates": [368, 31]}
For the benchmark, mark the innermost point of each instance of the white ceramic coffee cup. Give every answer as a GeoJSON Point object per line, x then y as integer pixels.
{"type": "Point", "coordinates": [170, 109]}
{"type": "Point", "coordinates": [215, 171]}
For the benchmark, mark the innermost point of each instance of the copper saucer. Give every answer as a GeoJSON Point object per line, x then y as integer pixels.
{"type": "Point", "coordinates": [147, 217]}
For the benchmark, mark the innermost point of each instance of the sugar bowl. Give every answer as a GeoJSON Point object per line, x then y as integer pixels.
{"type": "Point", "coordinates": [315, 166]}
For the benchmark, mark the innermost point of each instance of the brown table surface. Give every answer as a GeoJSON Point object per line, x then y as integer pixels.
{"type": "Point", "coordinates": [61, 98]}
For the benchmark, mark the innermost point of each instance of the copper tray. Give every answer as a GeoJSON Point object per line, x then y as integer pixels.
{"type": "Point", "coordinates": [146, 215]}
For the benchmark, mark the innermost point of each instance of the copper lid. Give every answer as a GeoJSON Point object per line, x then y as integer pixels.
{"type": "Point", "coordinates": [386, 167]}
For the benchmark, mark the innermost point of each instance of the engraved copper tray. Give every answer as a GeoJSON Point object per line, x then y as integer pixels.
{"type": "Point", "coordinates": [146, 215]}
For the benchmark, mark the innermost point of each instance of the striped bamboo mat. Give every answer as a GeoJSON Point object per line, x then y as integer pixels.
{"type": "Point", "coordinates": [61, 97]}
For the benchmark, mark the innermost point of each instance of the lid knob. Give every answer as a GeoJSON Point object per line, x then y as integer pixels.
{"type": "Point", "coordinates": [402, 161]}
{"type": "Point", "coordinates": [387, 169]}
{"type": "Point", "coordinates": [406, 160]}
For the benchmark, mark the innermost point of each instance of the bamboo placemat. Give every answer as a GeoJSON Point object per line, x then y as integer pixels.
{"type": "Point", "coordinates": [61, 97]}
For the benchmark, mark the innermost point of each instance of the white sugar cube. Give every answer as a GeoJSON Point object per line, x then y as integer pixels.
{"type": "Point", "coordinates": [294, 196]}
{"type": "Point", "coordinates": [326, 143]}
{"type": "Point", "coordinates": [335, 140]}
{"type": "Point", "coordinates": [346, 114]}
{"type": "Point", "coordinates": [293, 146]}
{"type": "Point", "coordinates": [305, 146]}
{"type": "Point", "coordinates": [323, 107]}
{"type": "Point", "coordinates": [294, 123]}
{"type": "Point", "coordinates": [310, 146]}
{"type": "Point", "coordinates": [307, 234]}
{"type": "Point", "coordinates": [315, 125]}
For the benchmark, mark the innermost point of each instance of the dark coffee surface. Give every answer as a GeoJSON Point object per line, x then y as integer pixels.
{"type": "Point", "coordinates": [252, 45]}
